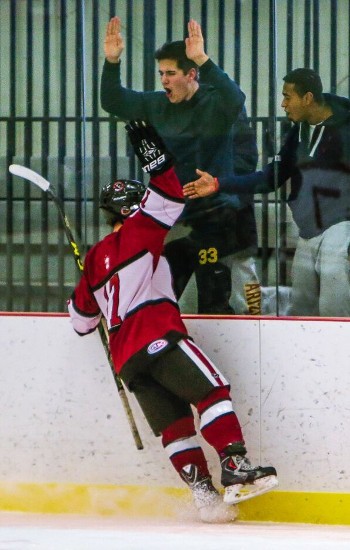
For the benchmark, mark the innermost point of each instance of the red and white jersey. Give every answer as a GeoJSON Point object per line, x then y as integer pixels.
{"type": "Point", "coordinates": [128, 281]}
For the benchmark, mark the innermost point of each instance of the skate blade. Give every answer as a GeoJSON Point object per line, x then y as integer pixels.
{"type": "Point", "coordinates": [238, 493]}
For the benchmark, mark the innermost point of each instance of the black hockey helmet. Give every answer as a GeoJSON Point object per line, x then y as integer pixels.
{"type": "Point", "coordinates": [120, 199]}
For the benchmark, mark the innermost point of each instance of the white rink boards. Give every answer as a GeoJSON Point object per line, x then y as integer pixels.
{"type": "Point", "coordinates": [66, 444]}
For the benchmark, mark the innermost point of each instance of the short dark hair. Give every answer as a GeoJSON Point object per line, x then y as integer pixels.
{"type": "Point", "coordinates": [306, 80]}
{"type": "Point", "coordinates": [177, 51]}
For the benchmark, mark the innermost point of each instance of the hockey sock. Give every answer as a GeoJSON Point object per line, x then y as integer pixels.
{"type": "Point", "coordinates": [219, 424]}
{"type": "Point", "coordinates": [182, 447]}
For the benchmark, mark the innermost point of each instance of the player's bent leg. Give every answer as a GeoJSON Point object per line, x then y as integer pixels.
{"type": "Point", "coordinates": [192, 379]}
{"type": "Point", "coordinates": [219, 424]}
{"type": "Point", "coordinates": [172, 417]}
{"type": "Point", "coordinates": [241, 480]}
{"type": "Point", "coordinates": [208, 501]}
{"type": "Point", "coordinates": [187, 457]}
{"type": "Point", "coordinates": [183, 448]}
{"type": "Point", "coordinates": [196, 380]}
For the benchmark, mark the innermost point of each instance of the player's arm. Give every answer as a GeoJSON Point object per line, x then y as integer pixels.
{"type": "Point", "coordinates": [164, 200]}
{"type": "Point", "coordinates": [83, 309]}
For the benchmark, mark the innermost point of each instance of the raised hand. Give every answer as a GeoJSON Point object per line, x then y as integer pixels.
{"type": "Point", "coordinates": [149, 147]}
{"type": "Point", "coordinates": [204, 186]}
{"type": "Point", "coordinates": [114, 43]}
{"type": "Point", "coordinates": [195, 43]}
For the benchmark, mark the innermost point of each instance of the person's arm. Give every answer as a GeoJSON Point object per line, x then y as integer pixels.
{"type": "Point", "coordinates": [255, 183]}
{"type": "Point", "coordinates": [262, 181]}
{"type": "Point", "coordinates": [245, 153]}
{"type": "Point", "coordinates": [195, 43]}
{"type": "Point", "coordinates": [116, 99]}
{"type": "Point", "coordinates": [113, 43]}
{"type": "Point", "coordinates": [231, 98]}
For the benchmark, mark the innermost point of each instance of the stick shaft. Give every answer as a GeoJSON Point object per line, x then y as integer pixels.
{"type": "Point", "coordinates": [122, 394]}
{"type": "Point", "coordinates": [102, 328]}
{"type": "Point", "coordinates": [68, 231]}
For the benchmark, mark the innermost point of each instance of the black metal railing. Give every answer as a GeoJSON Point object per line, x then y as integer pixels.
{"type": "Point", "coordinates": [51, 118]}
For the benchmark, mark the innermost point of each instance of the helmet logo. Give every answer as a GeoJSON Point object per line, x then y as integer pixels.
{"type": "Point", "coordinates": [118, 186]}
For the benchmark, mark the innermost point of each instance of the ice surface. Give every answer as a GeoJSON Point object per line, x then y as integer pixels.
{"type": "Point", "coordinates": [47, 532]}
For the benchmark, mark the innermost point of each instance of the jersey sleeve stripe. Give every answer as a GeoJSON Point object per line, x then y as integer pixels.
{"type": "Point", "coordinates": [161, 208]}
{"type": "Point", "coordinates": [80, 311]}
{"type": "Point", "coordinates": [82, 322]}
{"type": "Point", "coordinates": [148, 215]}
{"type": "Point", "coordinates": [166, 195]}
{"type": "Point", "coordinates": [169, 184]}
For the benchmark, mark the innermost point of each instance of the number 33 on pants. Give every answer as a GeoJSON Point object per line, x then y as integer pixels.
{"type": "Point", "coordinates": [209, 255]}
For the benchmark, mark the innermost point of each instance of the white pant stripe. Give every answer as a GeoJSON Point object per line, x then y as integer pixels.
{"type": "Point", "coordinates": [181, 445]}
{"type": "Point", "coordinates": [203, 363]}
{"type": "Point", "coordinates": [214, 412]}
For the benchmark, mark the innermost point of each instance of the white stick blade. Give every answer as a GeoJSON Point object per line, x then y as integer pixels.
{"type": "Point", "coordinates": [28, 174]}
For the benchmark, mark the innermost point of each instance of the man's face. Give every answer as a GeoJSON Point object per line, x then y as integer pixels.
{"type": "Point", "coordinates": [177, 85]}
{"type": "Point", "coordinates": [295, 106]}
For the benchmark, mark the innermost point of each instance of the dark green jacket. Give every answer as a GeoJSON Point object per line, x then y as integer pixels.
{"type": "Point", "coordinates": [198, 132]}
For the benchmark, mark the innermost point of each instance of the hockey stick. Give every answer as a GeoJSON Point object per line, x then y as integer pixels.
{"type": "Point", "coordinates": [40, 181]}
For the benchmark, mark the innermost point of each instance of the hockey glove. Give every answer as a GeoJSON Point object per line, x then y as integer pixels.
{"type": "Point", "coordinates": [149, 147]}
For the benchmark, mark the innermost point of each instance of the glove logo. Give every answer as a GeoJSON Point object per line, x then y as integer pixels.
{"type": "Point", "coordinates": [154, 164]}
{"type": "Point", "coordinates": [149, 147]}
{"type": "Point", "coordinates": [148, 150]}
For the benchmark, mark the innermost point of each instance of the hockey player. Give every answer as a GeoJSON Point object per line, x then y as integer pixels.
{"type": "Point", "coordinates": [127, 280]}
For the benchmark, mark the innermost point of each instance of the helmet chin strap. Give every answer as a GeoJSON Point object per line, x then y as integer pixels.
{"type": "Point", "coordinates": [125, 211]}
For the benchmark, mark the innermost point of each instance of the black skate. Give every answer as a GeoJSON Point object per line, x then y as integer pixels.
{"type": "Point", "coordinates": [243, 481]}
{"type": "Point", "coordinates": [207, 499]}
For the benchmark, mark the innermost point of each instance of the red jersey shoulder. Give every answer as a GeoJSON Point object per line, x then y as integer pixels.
{"type": "Point", "coordinates": [101, 259]}
{"type": "Point", "coordinates": [112, 252]}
